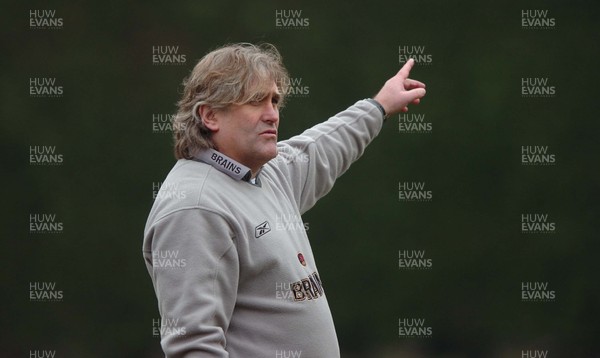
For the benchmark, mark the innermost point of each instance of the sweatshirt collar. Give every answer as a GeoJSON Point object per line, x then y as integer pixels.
{"type": "Point", "coordinates": [224, 164]}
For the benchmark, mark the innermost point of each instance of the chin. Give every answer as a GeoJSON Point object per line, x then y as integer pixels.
{"type": "Point", "coordinates": [264, 155]}
{"type": "Point", "coordinates": [271, 152]}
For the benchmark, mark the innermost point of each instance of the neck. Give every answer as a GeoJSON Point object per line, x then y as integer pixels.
{"type": "Point", "coordinates": [254, 172]}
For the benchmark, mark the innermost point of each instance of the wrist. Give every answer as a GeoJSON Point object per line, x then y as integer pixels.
{"type": "Point", "coordinates": [379, 106]}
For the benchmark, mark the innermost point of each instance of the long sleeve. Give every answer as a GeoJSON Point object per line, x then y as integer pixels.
{"type": "Point", "coordinates": [243, 253]}
{"type": "Point", "coordinates": [313, 160]}
{"type": "Point", "coordinates": [194, 266]}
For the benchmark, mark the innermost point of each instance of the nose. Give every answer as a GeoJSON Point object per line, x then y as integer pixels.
{"type": "Point", "coordinates": [271, 114]}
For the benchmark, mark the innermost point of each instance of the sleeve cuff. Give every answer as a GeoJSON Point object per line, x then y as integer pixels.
{"type": "Point", "coordinates": [379, 106]}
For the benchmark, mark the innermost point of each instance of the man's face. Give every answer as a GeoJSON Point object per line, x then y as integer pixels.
{"type": "Point", "coordinates": [247, 133]}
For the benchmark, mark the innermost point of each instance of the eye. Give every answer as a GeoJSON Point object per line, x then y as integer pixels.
{"type": "Point", "coordinates": [275, 100]}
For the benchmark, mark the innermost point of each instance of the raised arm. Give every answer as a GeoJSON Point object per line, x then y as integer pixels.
{"type": "Point", "coordinates": [312, 161]}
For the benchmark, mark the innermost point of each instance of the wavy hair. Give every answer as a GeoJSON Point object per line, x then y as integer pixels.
{"type": "Point", "coordinates": [232, 74]}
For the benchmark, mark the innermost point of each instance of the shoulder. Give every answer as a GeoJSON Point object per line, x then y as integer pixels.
{"type": "Point", "coordinates": [190, 185]}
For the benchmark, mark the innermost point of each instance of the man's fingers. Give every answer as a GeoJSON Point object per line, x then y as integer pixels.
{"type": "Point", "coordinates": [414, 101]}
{"type": "Point", "coordinates": [410, 84]}
{"type": "Point", "coordinates": [416, 93]}
{"type": "Point", "coordinates": [405, 70]}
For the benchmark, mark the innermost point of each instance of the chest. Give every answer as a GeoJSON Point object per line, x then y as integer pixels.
{"type": "Point", "coordinates": [271, 237]}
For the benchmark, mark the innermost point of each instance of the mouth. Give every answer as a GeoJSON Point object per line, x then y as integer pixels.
{"type": "Point", "coordinates": [269, 133]}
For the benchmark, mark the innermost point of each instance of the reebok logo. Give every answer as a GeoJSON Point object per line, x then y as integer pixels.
{"type": "Point", "coordinates": [262, 229]}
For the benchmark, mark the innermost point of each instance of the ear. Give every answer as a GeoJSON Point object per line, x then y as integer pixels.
{"type": "Point", "coordinates": [208, 117]}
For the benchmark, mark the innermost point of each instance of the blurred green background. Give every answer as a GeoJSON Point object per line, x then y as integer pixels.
{"type": "Point", "coordinates": [471, 230]}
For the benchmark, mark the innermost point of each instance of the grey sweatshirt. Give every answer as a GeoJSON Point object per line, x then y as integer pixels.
{"type": "Point", "coordinates": [231, 263]}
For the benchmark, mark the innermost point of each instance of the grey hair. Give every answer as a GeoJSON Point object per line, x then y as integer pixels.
{"type": "Point", "coordinates": [232, 74]}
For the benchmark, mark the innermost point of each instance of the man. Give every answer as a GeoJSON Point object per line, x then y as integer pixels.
{"type": "Point", "coordinates": [248, 288]}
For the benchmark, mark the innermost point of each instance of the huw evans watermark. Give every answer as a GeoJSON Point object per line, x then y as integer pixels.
{"type": "Point", "coordinates": [168, 259]}
{"type": "Point", "coordinates": [288, 354]}
{"type": "Point", "coordinates": [537, 87]}
{"type": "Point", "coordinates": [534, 353]}
{"type": "Point", "coordinates": [289, 155]}
{"type": "Point", "coordinates": [283, 291]}
{"type": "Point", "coordinates": [162, 190]}
{"type": "Point", "coordinates": [419, 53]}
{"type": "Point", "coordinates": [537, 155]}
{"type": "Point", "coordinates": [414, 123]}
{"type": "Point", "coordinates": [45, 20]}
{"type": "Point", "coordinates": [167, 55]}
{"type": "Point", "coordinates": [409, 191]}
{"type": "Point", "coordinates": [163, 123]}
{"type": "Point", "coordinates": [414, 328]}
{"type": "Point", "coordinates": [296, 88]}
{"type": "Point", "coordinates": [167, 327]}
{"type": "Point", "coordinates": [537, 292]}
{"type": "Point", "coordinates": [42, 353]}
{"type": "Point", "coordinates": [45, 87]}
{"type": "Point", "coordinates": [537, 20]}
{"type": "Point", "coordinates": [44, 224]}
{"type": "Point", "coordinates": [44, 292]}
{"type": "Point", "coordinates": [290, 222]}
{"type": "Point", "coordinates": [45, 155]}
{"type": "Point", "coordinates": [291, 20]}
{"type": "Point", "coordinates": [537, 224]}
{"type": "Point", "coordinates": [414, 260]}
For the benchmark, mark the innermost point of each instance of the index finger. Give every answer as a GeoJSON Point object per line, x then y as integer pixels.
{"type": "Point", "coordinates": [405, 70]}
